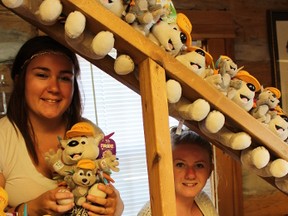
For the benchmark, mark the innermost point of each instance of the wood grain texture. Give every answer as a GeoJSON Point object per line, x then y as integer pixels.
{"type": "Point", "coordinates": [157, 138]}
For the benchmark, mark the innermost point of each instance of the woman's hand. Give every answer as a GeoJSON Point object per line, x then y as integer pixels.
{"type": "Point", "coordinates": [112, 205]}
{"type": "Point", "coordinates": [52, 202]}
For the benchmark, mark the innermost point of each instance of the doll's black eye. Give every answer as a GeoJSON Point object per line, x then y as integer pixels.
{"type": "Point", "coordinates": [284, 117]}
{"type": "Point", "coordinates": [183, 37]}
{"type": "Point", "coordinates": [200, 52]}
{"type": "Point", "coordinates": [73, 143]}
{"type": "Point", "coordinates": [251, 87]}
{"type": "Point", "coordinates": [83, 142]}
{"type": "Point", "coordinates": [81, 172]}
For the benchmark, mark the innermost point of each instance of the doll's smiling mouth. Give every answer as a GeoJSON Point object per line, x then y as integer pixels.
{"type": "Point", "coordinates": [170, 45]}
{"type": "Point", "coordinates": [272, 100]}
{"type": "Point", "coordinates": [232, 68]}
{"type": "Point", "coordinates": [244, 98]}
{"type": "Point", "coordinates": [75, 156]}
{"type": "Point", "coordinates": [195, 65]}
{"type": "Point", "coordinates": [279, 128]}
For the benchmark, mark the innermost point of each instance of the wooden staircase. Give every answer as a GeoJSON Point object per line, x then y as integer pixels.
{"type": "Point", "coordinates": [154, 67]}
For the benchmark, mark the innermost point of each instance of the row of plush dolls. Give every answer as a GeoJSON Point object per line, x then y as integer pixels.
{"type": "Point", "coordinates": [172, 31]}
{"type": "Point", "coordinates": [245, 90]}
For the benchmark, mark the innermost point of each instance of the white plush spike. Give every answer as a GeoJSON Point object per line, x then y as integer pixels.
{"type": "Point", "coordinates": [174, 91]}
{"type": "Point", "coordinates": [214, 121]}
{"type": "Point", "coordinates": [103, 43]}
{"type": "Point", "coordinates": [12, 3]}
{"type": "Point", "coordinates": [255, 157]}
{"type": "Point", "coordinates": [279, 168]}
{"type": "Point", "coordinates": [75, 24]}
{"type": "Point", "coordinates": [49, 11]}
{"type": "Point", "coordinates": [195, 111]}
{"type": "Point", "coordinates": [124, 64]}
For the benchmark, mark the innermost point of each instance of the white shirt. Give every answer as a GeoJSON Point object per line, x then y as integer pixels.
{"type": "Point", "coordinates": [23, 181]}
{"type": "Point", "coordinates": [202, 200]}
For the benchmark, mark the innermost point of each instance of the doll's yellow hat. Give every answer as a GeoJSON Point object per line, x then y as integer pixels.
{"type": "Point", "coordinates": [80, 129]}
{"type": "Point", "coordinates": [185, 26]}
{"type": "Point", "coordinates": [274, 91]}
{"type": "Point", "coordinates": [86, 164]}
{"type": "Point", "coordinates": [248, 78]}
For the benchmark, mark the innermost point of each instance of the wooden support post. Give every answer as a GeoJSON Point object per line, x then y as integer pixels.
{"type": "Point", "coordinates": [157, 138]}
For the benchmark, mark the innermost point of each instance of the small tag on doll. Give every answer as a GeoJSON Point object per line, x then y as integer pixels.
{"type": "Point", "coordinates": [107, 145]}
{"type": "Point", "coordinates": [179, 127]}
{"type": "Point", "coordinates": [171, 11]}
{"type": "Point", "coordinates": [58, 165]}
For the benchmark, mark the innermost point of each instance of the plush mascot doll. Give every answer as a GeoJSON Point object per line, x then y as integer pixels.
{"type": "Point", "coordinates": [227, 69]}
{"type": "Point", "coordinates": [3, 201]}
{"type": "Point", "coordinates": [169, 36]}
{"type": "Point", "coordinates": [242, 89]}
{"type": "Point", "coordinates": [173, 36]}
{"type": "Point", "coordinates": [84, 180]}
{"type": "Point", "coordinates": [266, 104]}
{"type": "Point", "coordinates": [197, 60]}
{"type": "Point", "coordinates": [73, 149]}
{"type": "Point", "coordinates": [85, 158]}
{"type": "Point", "coordinates": [143, 14]}
{"type": "Point", "coordinates": [279, 126]}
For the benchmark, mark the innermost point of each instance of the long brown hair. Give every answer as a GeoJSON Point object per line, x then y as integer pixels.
{"type": "Point", "coordinates": [17, 107]}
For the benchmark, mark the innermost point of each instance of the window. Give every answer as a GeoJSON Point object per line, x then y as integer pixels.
{"type": "Point", "coordinates": [103, 98]}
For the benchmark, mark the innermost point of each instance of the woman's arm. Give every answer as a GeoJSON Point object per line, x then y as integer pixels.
{"type": "Point", "coordinates": [120, 204]}
{"type": "Point", "coordinates": [47, 203]}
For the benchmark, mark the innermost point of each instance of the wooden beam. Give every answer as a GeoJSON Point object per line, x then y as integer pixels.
{"type": "Point", "coordinates": [157, 138]}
